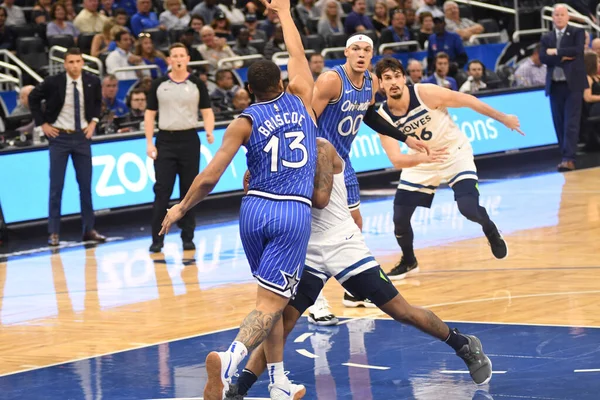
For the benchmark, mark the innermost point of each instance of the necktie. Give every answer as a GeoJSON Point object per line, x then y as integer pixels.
{"type": "Point", "coordinates": [558, 74]}
{"type": "Point", "coordinates": [559, 36]}
{"type": "Point", "coordinates": [77, 108]}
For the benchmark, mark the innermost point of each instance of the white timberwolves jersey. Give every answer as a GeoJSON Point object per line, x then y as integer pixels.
{"type": "Point", "coordinates": [435, 127]}
{"type": "Point", "coordinates": [337, 210]}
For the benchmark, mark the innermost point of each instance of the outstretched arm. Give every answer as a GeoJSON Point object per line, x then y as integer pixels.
{"type": "Point", "coordinates": [435, 96]}
{"type": "Point", "coordinates": [235, 136]}
{"type": "Point", "coordinates": [301, 80]}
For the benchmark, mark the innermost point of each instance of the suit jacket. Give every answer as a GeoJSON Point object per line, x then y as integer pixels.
{"type": "Point", "coordinates": [432, 79]}
{"type": "Point", "coordinates": [53, 90]}
{"type": "Point", "coordinates": [571, 45]}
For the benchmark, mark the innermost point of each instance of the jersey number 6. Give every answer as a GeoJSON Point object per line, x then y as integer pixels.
{"type": "Point", "coordinates": [425, 135]}
{"type": "Point", "coordinates": [273, 148]}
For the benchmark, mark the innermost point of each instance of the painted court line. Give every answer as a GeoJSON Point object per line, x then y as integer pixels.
{"type": "Point", "coordinates": [366, 366]}
{"type": "Point", "coordinates": [303, 337]}
{"type": "Point", "coordinates": [466, 372]}
{"type": "Point", "coordinates": [306, 353]}
{"type": "Point", "coordinates": [587, 370]}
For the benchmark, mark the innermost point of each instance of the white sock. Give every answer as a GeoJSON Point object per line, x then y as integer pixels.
{"type": "Point", "coordinates": [276, 373]}
{"type": "Point", "coordinates": [238, 352]}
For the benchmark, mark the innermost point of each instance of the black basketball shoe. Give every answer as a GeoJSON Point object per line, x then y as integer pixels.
{"type": "Point", "coordinates": [402, 269]}
{"type": "Point", "coordinates": [497, 244]}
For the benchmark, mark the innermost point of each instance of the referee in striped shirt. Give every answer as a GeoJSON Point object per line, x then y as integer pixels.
{"type": "Point", "coordinates": [176, 97]}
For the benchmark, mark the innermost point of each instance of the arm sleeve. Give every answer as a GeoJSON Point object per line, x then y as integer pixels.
{"type": "Point", "coordinates": [152, 101]}
{"type": "Point", "coordinates": [204, 96]}
{"type": "Point", "coordinates": [380, 125]}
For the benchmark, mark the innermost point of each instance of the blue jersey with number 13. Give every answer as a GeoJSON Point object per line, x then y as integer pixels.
{"type": "Point", "coordinates": [282, 150]}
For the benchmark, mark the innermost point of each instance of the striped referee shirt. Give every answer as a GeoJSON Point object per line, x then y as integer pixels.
{"type": "Point", "coordinates": [178, 103]}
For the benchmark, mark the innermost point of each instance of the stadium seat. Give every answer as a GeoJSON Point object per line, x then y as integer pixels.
{"type": "Point", "coordinates": [31, 51]}
{"type": "Point", "coordinates": [235, 29]}
{"type": "Point", "coordinates": [492, 79]}
{"type": "Point", "coordinates": [258, 44]}
{"type": "Point", "coordinates": [61, 40]}
{"type": "Point", "coordinates": [313, 24]}
{"type": "Point", "coordinates": [85, 42]}
{"type": "Point", "coordinates": [337, 40]}
{"type": "Point", "coordinates": [465, 11]}
{"type": "Point", "coordinates": [460, 77]}
{"type": "Point", "coordinates": [28, 30]}
{"type": "Point", "coordinates": [160, 39]}
{"type": "Point", "coordinates": [490, 25]}
{"type": "Point", "coordinates": [315, 42]}
{"type": "Point", "coordinates": [175, 34]}
{"type": "Point", "coordinates": [506, 75]}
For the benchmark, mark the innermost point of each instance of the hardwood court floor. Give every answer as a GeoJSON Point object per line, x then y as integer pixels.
{"type": "Point", "coordinates": [80, 302]}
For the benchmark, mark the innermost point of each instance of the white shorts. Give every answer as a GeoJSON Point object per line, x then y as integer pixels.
{"type": "Point", "coordinates": [426, 178]}
{"type": "Point", "coordinates": [340, 252]}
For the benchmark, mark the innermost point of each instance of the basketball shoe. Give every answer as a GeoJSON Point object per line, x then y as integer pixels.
{"type": "Point", "coordinates": [403, 269]}
{"type": "Point", "coordinates": [286, 391]}
{"type": "Point", "coordinates": [480, 366]}
{"type": "Point", "coordinates": [319, 313]}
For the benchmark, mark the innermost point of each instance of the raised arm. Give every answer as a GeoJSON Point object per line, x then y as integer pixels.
{"type": "Point", "coordinates": [301, 80]}
{"type": "Point", "coordinates": [435, 97]}
{"type": "Point", "coordinates": [236, 135]}
{"type": "Point", "coordinates": [327, 88]}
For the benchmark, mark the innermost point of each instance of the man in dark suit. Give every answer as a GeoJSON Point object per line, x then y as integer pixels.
{"type": "Point", "coordinates": [562, 51]}
{"type": "Point", "coordinates": [69, 121]}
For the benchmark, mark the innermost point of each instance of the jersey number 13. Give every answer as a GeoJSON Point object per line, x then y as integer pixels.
{"type": "Point", "coordinates": [272, 147]}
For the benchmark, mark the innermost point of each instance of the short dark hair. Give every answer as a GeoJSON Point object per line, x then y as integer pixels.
{"type": "Point", "coordinates": [221, 72]}
{"type": "Point", "coordinates": [537, 47]}
{"type": "Point", "coordinates": [475, 62]}
{"type": "Point", "coordinates": [423, 15]}
{"type": "Point", "coordinates": [313, 55]}
{"type": "Point", "coordinates": [54, 7]}
{"type": "Point", "coordinates": [120, 34]}
{"type": "Point", "coordinates": [264, 77]}
{"type": "Point", "coordinates": [121, 11]}
{"type": "Point", "coordinates": [178, 45]}
{"type": "Point", "coordinates": [110, 77]}
{"type": "Point", "coordinates": [442, 55]}
{"type": "Point", "coordinates": [388, 63]}
{"type": "Point", "coordinates": [73, 51]}
{"type": "Point", "coordinates": [196, 16]}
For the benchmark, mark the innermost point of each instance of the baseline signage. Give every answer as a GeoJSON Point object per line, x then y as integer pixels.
{"type": "Point", "coordinates": [124, 176]}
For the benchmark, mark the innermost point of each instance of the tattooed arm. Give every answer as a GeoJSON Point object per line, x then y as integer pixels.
{"type": "Point", "coordinates": [326, 155]}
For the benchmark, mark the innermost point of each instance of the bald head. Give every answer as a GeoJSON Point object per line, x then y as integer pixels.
{"type": "Point", "coordinates": [415, 71]}
{"type": "Point", "coordinates": [560, 16]}
{"type": "Point", "coordinates": [596, 46]}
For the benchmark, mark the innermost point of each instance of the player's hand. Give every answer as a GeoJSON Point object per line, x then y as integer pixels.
{"type": "Point", "coordinates": [437, 156]}
{"type": "Point", "coordinates": [417, 145]}
{"type": "Point", "coordinates": [277, 5]}
{"type": "Point", "coordinates": [210, 138]}
{"type": "Point", "coordinates": [567, 58]}
{"type": "Point", "coordinates": [89, 130]}
{"type": "Point", "coordinates": [246, 181]}
{"type": "Point", "coordinates": [552, 52]}
{"type": "Point", "coordinates": [512, 123]}
{"type": "Point", "coordinates": [174, 214]}
{"type": "Point", "coordinates": [151, 151]}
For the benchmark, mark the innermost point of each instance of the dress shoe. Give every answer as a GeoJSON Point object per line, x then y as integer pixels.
{"type": "Point", "coordinates": [156, 247]}
{"type": "Point", "coordinates": [53, 240]}
{"type": "Point", "coordinates": [566, 166]}
{"type": "Point", "coordinates": [93, 236]}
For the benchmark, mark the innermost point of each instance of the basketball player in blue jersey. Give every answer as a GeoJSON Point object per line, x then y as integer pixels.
{"type": "Point", "coordinates": [279, 132]}
{"type": "Point", "coordinates": [421, 111]}
{"type": "Point", "coordinates": [335, 243]}
{"type": "Point", "coordinates": [344, 97]}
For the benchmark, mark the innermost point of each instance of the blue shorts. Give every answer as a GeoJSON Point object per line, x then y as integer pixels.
{"type": "Point", "coordinates": [351, 186]}
{"type": "Point", "coordinates": [275, 235]}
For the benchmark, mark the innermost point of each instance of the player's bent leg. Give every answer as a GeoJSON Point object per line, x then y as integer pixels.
{"type": "Point", "coordinates": [466, 194]}
{"type": "Point", "coordinates": [404, 236]}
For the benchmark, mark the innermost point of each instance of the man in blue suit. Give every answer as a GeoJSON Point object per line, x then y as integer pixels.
{"type": "Point", "coordinates": [562, 51]}
{"type": "Point", "coordinates": [440, 76]}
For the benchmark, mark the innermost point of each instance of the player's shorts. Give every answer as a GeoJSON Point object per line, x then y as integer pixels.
{"type": "Point", "coordinates": [352, 187]}
{"type": "Point", "coordinates": [275, 234]}
{"type": "Point", "coordinates": [341, 253]}
{"type": "Point", "coordinates": [418, 184]}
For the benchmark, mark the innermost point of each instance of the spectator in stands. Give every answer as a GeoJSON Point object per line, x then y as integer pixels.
{"type": "Point", "coordinates": [7, 39]}
{"type": "Point", "coordinates": [591, 97]}
{"type": "Point", "coordinates": [207, 10]}
{"type": "Point", "coordinates": [381, 18]}
{"type": "Point", "coordinates": [197, 23]}
{"type": "Point", "coordinates": [150, 56]}
{"type": "Point", "coordinates": [268, 25]}
{"type": "Point", "coordinates": [306, 10]}
{"type": "Point", "coordinates": [596, 46]}
{"type": "Point", "coordinates": [233, 14]}
{"type": "Point", "coordinates": [474, 83]}
{"type": "Point", "coordinates": [276, 44]}
{"type": "Point", "coordinates": [242, 47]}
{"type": "Point", "coordinates": [121, 57]}
{"type": "Point", "coordinates": [144, 84]}
{"type": "Point", "coordinates": [187, 38]}
{"type": "Point", "coordinates": [241, 100]}
{"type": "Point", "coordinates": [431, 7]}
{"type": "Point", "coordinates": [531, 71]}
{"type": "Point", "coordinates": [59, 24]}
{"type": "Point", "coordinates": [448, 42]}
{"type": "Point", "coordinates": [175, 15]}
{"type": "Point", "coordinates": [561, 50]}
{"type": "Point", "coordinates": [102, 40]}
{"type": "Point", "coordinates": [357, 20]}
{"type": "Point", "coordinates": [128, 5]}
{"type": "Point", "coordinates": [110, 86]}
{"type": "Point", "coordinates": [71, 13]}
{"type": "Point", "coordinates": [426, 29]}
{"type": "Point", "coordinates": [252, 26]}
{"type": "Point", "coordinates": [222, 97]}
{"type": "Point", "coordinates": [331, 19]}
{"type": "Point", "coordinates": [440, 76]}
{"type": "Point", "coordinates": [411, 19]}
{"type": "Point", "coordinates": [23, 107]}
{"type": "Point", "coordinates": [121, 18]}
{"type": "Point", "coordinates": [107, 8]}
{"type": "Point", "coordinates": [415, 71]}
{"type": "Point", "coordinates": [89, 20]}
{"type": "Point", "coordinates": [221, 26]}
{"type": "Point", "coordinates": [40, 14]}
{"type": "Point", "coordinates": [145, 18]}
{"type": "Point", "coordinates": [397, 32]}
{"type": "Point", "coordinates": [15, 14]}
{"type": "Point", "coordinates": [213, 48]}
{"type": "Point", "coordinates": [463, 26]}
{"type": "Point", "coordinates": [136, 104]}
{"type": "Point", "coordinates": [316, 64]}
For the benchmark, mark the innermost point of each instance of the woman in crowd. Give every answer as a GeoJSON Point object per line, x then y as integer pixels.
{"type": "Point", "coordinates": [175, 15]}
{"type": "Point", "coordinates": [331, 19]}
{"type": "Point", "coordinates": [145, 49]}
{"type": "Point", "coordinates": [381, 18]}
{"type": "Point", "coordinates": [59, 24]}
